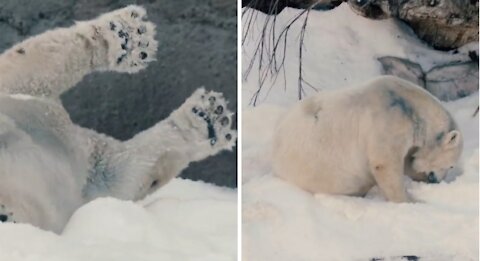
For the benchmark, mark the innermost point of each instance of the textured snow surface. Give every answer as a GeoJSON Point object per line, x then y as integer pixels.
{"type": "Point", "coordinates": [184, 220]}
{"type": "Point", "coordinates": [283, 222]}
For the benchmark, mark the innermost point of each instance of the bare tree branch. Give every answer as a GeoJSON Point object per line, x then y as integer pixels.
{"type": "Point", "coordinates": [269, 54]}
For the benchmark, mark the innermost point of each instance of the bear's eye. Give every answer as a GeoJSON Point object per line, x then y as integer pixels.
{"type": "Point", "coordinates": [154, 183]}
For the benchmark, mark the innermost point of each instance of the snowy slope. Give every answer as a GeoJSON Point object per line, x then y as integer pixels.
{"type": "Point", "coordinates": [282, 222]}
{"type": "Point", "coordinates": [184, 220]}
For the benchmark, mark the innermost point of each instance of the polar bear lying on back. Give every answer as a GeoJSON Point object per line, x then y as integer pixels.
{"type": "Point", "coordinates": [49, 166]}
{"type": "Point", "coordinates": [346, 141]}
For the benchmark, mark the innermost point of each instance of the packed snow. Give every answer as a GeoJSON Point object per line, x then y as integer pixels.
{"type": "Point", "coordinates": [184, 220]}
{"type": "Point", "coordinates": [283, 222]}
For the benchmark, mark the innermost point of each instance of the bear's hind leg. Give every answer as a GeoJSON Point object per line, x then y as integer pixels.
{"type": "Point", "coordinates": [201, 127]}
{"type": "Point", "coordinates": [48, 64]}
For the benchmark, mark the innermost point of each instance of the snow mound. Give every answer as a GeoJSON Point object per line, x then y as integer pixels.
{"type": "Point", "coordinates": [184, 220]}
{"type": "Point", "coordinates": [283, 222]}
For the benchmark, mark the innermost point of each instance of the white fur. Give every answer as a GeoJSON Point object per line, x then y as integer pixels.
{"type": "Point", "coordinates": [346, 141]}
{"type": "Point", "coordinates": [50, 166]}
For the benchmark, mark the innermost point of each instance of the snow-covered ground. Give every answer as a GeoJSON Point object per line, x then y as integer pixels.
{"type": "Point", "coordinates": [184, 220]}
{"type": "Point", "coordinates": [283, 222]}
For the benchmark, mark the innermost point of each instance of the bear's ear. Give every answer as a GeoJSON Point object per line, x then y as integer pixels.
{"type": "Point", "coordinates": [452, 139]}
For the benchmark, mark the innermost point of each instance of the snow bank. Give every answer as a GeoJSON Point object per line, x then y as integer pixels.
{"type": "Point", "coordinates": [282, 222]}
{"type": "Point", "coordinates": [340, 49]}
{"type": "Point", "coordinates": [184, 220]}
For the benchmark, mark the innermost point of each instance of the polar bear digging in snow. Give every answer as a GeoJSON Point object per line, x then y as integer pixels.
{"type": "Point", "coordinates": [49, 166]}
{"type": "Point", "coordinates": [346, 141]}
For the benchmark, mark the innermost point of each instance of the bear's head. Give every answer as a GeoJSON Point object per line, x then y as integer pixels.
{"type": "Point", "coordinates": [432, 162]}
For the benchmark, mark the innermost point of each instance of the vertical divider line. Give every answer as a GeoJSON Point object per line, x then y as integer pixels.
{"type": "Point", "coordinates": [239, 130]}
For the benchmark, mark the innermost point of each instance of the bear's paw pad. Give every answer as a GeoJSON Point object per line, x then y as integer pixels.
{"type": "Point", "coordinates": [211, 108]}
{"type": "Point", "coordinates": [130, 39]}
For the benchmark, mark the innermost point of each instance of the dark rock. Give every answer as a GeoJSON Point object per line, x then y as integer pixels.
{"type": "Point", "coordinates": [473, 56]}
{"type": "Point", "coordinates": [9, 36]}
{"type": "Point", "coordinates": [446, 82]}
{"type": "Point", "coordinates": [445, 24]}
{"type": "Point", "coordinates": [369, 8]}
{"type": "Point", "coordinates": [403, 68]}
{"type": "Point", "coordinates": [28, 17]}
{"type": "Point", "coordinates": [325, 6]}
{"type": "Point", "coordinates": [452, 81]}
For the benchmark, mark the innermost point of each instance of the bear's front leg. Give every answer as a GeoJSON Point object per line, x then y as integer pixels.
{"type": "Point", "coordinates": [387, 168]}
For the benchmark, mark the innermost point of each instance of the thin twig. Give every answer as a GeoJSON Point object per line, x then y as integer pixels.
{"type": "Point", "coordinates": [267, 49]}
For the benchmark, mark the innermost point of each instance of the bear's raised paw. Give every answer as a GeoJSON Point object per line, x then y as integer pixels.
{"type": "Point", "coordinates": [209, 111]}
